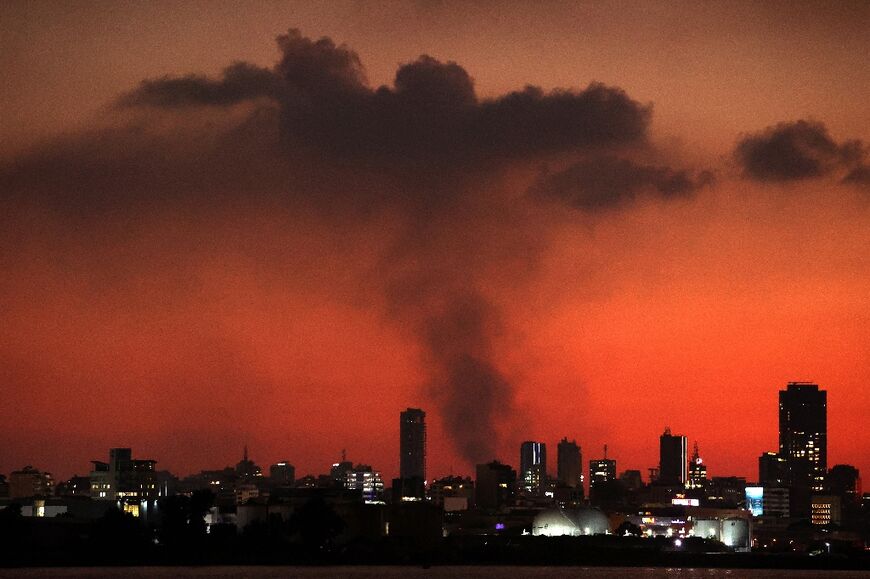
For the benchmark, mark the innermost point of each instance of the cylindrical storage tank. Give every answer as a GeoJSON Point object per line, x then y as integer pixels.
{"type": "Point", "coordinates": [735, 533]}
{"type": "Point", "coordinates": [592, 522]}
{"type": "Point", "coordinates": [574, 522]}
{"type": "Point", "coordinates": [554, 523]}
{"type": "Point", "coordinates": [707, 528]}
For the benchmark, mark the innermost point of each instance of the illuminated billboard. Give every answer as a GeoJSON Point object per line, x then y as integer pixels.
{"type": "Point", "coordinates": [755, 500]}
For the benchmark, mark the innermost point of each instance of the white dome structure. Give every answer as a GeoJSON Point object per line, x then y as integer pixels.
{"type": "Point", "coordinates": [573, 522]}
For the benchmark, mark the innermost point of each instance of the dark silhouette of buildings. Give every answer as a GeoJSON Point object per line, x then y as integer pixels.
{"type": "Point", "coordinates": [338, 471]}
{"type": "Point", "coordinates": [246, 468]}
{"type": "Point", "coordinates": [412, 444]}
{"type": "Point", "coordinates": [533, 467]}
{"type": "Point", "coordinates": [569, 463]}
{"type": "Point", "coordinates": [631, 480]}
{"type": "Point", "coordinates": [453, 493]}
{"type": "Point", "coordinates": [494, 485]}
{"type": "Point", "coordinates": [282, 473]}
{"type": "Point", "coordinates": [772, 470]}
{"type": "Point", "coordinates": [673, 458]}
{"type": "Point", "coordinates": [30, 482]}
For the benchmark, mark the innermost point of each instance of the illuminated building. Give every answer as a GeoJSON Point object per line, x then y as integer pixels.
{"type": "Point", "coordinates": [338, 471]}
{"type": "Point", "coordinates": [412, 444]}
{"type": "Point", "coordinates": [601, 471]}
{"type": "Point", "coordinates": [825, 510]}
{"type": "Point", "coordinates": [30, 482]}
{"type": "Point", "coordinates": [569, 464]}
{"type": "Point", "coordinates": [727, 491]}
{"type": "Point", "coordinates": [282, 473]}
{"type": "Point", "coordinates": [124, 479]}
{"type": "Point", "coordinates": [494, 485]}
{"type": "Point", "coordinates": [673, 458]}
{"type": "Point", "coordinates": [452, 492]}
{"type": "Point", "coordinates": [803, 434]}
{"type": "Point", "coordinates": [366, 480]}
{"type": "Point", "coordinates": [803, 442]}
{"type": "Point", "coordinates": [697, 471]}
{"type": "Point", "coordinates": [533, 467]}
{"type": "Point", "coordinates": [772, 469]}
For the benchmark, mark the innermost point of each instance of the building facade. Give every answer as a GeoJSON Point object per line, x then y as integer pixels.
{"type": "Point", "coordinates": [412, 444]}
{"type": "Point", "coordinates": [569, 461]}
{"type": "Point", "coordinates": [494, 485]}
{"type": "Point", "coordinates": [697, 471]}
{"type": "Point", "coordinates": [673, 458]}
{"type": "Point", "coordinates": [803, 434]}
{"type": "Point", "coordinates": [533, 467]}
{"type": "Point", "coordinates": [771, 469]}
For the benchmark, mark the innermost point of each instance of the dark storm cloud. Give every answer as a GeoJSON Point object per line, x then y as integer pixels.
{"type": "Point", "coordinates": [431, 114]}
{"type": "Point", "coordinates": [794, 151]}
{"type": "Point", "coordinates": [606, 182]}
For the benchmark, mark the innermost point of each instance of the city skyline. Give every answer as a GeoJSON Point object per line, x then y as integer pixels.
{"type": "Point", "coordinates": [784, 469]}
{"type": "Point", "coordinates": [281, 224]}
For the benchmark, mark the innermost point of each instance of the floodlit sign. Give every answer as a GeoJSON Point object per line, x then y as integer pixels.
{"type": "Point", "coordinates": [685, 502]}
{"type": "Point", "coordinates": [755, 500]}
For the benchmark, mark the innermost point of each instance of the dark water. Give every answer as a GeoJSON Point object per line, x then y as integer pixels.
{"type": "Point", "coordinates": [418, 572]}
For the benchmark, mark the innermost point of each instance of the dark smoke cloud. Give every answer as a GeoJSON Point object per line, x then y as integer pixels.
{"type": "Point", "coordinates": [606, 182]}
{"type": "Point", "coordinates": [470, 385]}
{"type": "Point", "coordinates": [430, 116]}
{"type": "Point", "coordinates": [309, 139]}
{"type": "Point", "coordinates": [794, 151]}
{"type": "Point", "coordinates": [858, 176]}
{"type": "Point", "coordinates": [240, 82]}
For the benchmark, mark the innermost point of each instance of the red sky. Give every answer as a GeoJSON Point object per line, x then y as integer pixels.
{"type": "Point", "coordinates": [193, 311]}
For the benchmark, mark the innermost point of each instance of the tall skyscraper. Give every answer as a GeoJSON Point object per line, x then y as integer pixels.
{"type": "Point", "coordinates": [569, 463]}
{"type": "Point", "coordinates": [412, 444]}
{"type": "Point", "coordinates": [803, 434]}
{"type": "Point", "coordinates": [673, 458]}
{"type": "Point", "coordinates": [533, 467]}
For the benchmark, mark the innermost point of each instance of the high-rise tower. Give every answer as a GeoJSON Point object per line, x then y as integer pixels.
{"type": "Point", "coordinates": [673, 458]}
{"type": "Point", "coordinates": [569, 463]}
{"type": "Point", "coordinates": [533, 467]}
{"type": "Point", "coordinates": [803, 434]}
{"type": "Point", "coordinates": [412, 444]}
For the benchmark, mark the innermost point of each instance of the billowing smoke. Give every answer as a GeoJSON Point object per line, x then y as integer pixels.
{"type": "Point", "coordinates": [308, 141]}
{"type": "Point", "coordinates": [800, 150]}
